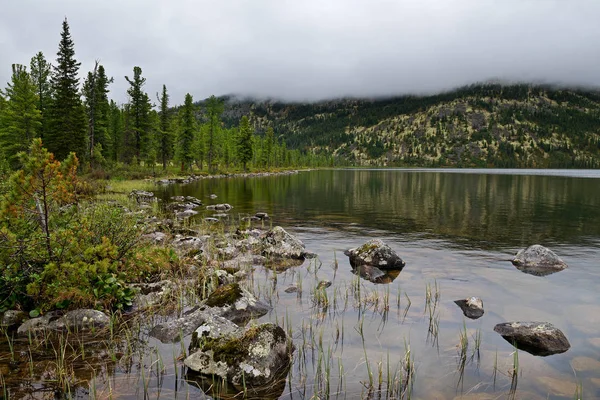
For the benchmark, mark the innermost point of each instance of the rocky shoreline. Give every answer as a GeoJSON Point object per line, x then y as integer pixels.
{"type": "Point", "coordinates": [193, 178]}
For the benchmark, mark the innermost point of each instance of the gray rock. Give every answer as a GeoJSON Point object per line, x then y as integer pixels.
{"type": "Point", "coordinates": [142, 195]}
{"type": "Point", "coordinates": [261, 215]}
{"type": "Point", "coordinates": [229, 301]}
{"type": "Point", "coordinates": [471, 307]}
{"type": "Point", "coordinates": [213, 196]}
{"type": "Point", "coordinates": [194, 200]}
{"type": "Point", "coordinates": [223, 207]}
{"type": "Point", "coordinates": [277, 243]}
{"type": "Point", "coordinates": [186, 214]}
{"type": "Point", "coordinates": [81, 320]}
{"type": "Point", "coordinates": [375, 253]}
{"type": "Point", "coordinates": [538, 260]}
{"type": "Point", "coordinates": [178, 198]}
{"type": "Point", "coordinates": [211, 220]}
{"type": "Point", "coordinates": [291, 289]}
{"type": "Point", "coordinates": [188, 244]}
{"type": "Point", "coordinates": [214, 327]}
{"type": "Point", "coordinates": [260, 357]}
{"type": "Point", "coordinates": [151, 294]}
{"type": "Point", "coordinates": [11, 319]}
{"type": "Point", "coordinates": [182, 206]}
{"type": "Point", "coordinates": [155, 237]}
{"type": "Point", "coordinates": [537, 338]}
{"type": "Point", "coordinates": [324, 284]}
{"type": "Point", "coordinates": [76, 320]}
{"type": "Point", "coordinates": [376, 275]}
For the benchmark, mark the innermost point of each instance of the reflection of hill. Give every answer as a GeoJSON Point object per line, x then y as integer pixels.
{"type": "Point", "coordinates": [495, 210]}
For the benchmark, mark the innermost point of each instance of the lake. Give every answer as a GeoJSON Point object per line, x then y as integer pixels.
{"type": "Point", "coordinates": [457, 231]}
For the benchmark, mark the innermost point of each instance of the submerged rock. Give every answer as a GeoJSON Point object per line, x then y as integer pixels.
{"type": "Point", "coordinates": [471, 307]}
{"type": "Point", "coordinates": [277, 243]}
{"type": "Point", "coordinates": [142, 195]}
{"type": "Point", "coordinates": [219, 207]}
{"type": "Point", "coordinates": [376, 275]}
{"type": "Point", "coordinates": [375, 253]}
{"type": "Point", "coordinates": [186, 214]}
{"type": "Point", "coordinates": [538, 260]}
{"type": "Point", "coordinates": [537, 338]}
{"type": "Point", "coordinates": [261, 215]}
{"type": "Point", "coordinates": [259, 357]}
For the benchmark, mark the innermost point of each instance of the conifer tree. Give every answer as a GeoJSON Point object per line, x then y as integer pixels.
{"type": "Point", "coordinates": [95, 91]}
{"type": "Point", "coordinates": [214, 108]}
{"type": "Point", "coordinates": [139, 114]}
{"type": "Point", "coordinates": [40, 75]}
{"type": "Point", "coordinates": [245, 142]}
{"type": "Point", "coordinates": [268, 147]}
{"type": "Point", "coordinates": [115, 131]}
{"type": "Point", "coordinates": [186, 133]}
{"type": "Point", "coordinates": [20, 121]}
{"type": "Point", "coordinates": [165, 142]}
{"type": "Point", "coordinates": [67, 122]}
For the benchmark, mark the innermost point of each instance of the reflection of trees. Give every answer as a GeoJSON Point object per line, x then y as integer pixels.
{"type": "Point", "coordinates": [497, 210]}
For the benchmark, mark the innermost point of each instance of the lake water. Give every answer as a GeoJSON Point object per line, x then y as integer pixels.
{"type": "Point", "coordinates": [457, 229]}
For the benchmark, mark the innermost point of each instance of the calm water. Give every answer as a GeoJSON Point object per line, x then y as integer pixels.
{"type": "Point", "coordinates": [457, 230]}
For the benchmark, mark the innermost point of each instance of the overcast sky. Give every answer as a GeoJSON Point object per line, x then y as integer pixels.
{"type": "Point", "coordinates": [312, 49]}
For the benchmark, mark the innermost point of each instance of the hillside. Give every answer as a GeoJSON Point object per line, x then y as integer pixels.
{"type": "Point", "coordinates": [486, 125]}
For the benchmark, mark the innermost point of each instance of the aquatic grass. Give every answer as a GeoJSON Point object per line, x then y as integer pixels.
{"type": "Point", "coordinates": [514, 375]}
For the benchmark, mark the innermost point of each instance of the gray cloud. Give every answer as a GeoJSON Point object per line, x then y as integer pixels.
{"type": "Point", "coordinates": [313, 49]}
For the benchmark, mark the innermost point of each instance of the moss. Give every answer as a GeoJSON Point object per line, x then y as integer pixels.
{"type": "Point", "coordinates": [225, 295]}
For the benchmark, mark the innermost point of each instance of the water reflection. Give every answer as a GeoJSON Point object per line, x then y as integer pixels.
{"type": "Point", "coordinates": [376, 275]}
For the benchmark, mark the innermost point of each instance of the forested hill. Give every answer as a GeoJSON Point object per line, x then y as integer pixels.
{"type": "Point", "coordinates": [481, 126]}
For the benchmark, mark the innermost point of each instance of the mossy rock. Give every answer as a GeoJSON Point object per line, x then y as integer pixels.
{"type": "Point", "coordinates": [225, 295]}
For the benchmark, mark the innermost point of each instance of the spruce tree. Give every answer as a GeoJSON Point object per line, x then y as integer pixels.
{"type": "Point", "coordinates": [40, 75]}
{"type": "Point", "coordinates": [268, 149]}
{"type": "Point", "coordinates": [165, 142]}
{"type": "Point", "coordinates": [115, 132]}
{"type": "Point", "coordinates": [67, 122]}
{"type": "Point", "coordinates": [95, 91]}
{"type": "Point", "coordinates": [139, 114]}
{"type": "Point", "coordinates": [20, 121]}
{"type": "Point", "coordinates": [214, 108]}
{"type": "Point", "coordinates": [244, 147]}
{"type": "Point", "coordinates": [186, 133]}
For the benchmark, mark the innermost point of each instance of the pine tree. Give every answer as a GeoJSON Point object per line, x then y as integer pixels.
{"type": "Point", "coordinates": [20, 120]}
{"type": "Point", "coordinates": [186, 133]}
{"type": "Point", "coordinates": [115, 131]}
{"type": "Point", "coordinates": [139, 114]}
{"type": "Point", "coordinates": [95, 91]}
{"type": "Point", "coordinates": [165, 145]}
{"type": "Point", "coordinates": [40, 75]}
{"type": "Point", "coordinates": [268, 147]}
{"type": "Point", "coordinates": [67, 122]}
{"type": "Point", "coordinates": [214, 108]}
{"type": "Point", "coordinates": [245, 142]}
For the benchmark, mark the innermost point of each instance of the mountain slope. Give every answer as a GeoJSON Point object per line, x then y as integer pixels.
{"type": "Point", "coordinates": [480, 125]}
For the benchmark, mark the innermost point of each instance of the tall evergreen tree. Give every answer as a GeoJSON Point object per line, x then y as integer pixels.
{"type": "Point", "coordinates": [214, 108]}
{"type": "Point", "coordinates": [67, 122]}
{"type": "Point", "coordinates": [95, 91]}
{"type": "Point", "coordinates": [115, 132]}
{"type": "Point", "coordinates": [165, 145]}
{"type": "Point", "coordinates": [139, 114]}
{"type": "Point", "coordinates": [186, 133]}
{"type": "Point", "coordinates": [245, 142]}
{"type": "Point", "coordinates": [268, 147]}
{"type": "Point", "coordinates": [40, 75]}
{"type": "Point", "coordinates": [20, 120]}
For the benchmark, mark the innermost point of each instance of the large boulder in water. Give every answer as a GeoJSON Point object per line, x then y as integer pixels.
{"type": "Point", "coordinates": [537, 338]}
{"type": "Point", "coordinates": [259, 357]}
{"type": "Point", "coordinates": [277, 243]}
{"type": "Point", "coordinates": [375, 253]}
{"type": "Point", "coordinates": [538, 260]}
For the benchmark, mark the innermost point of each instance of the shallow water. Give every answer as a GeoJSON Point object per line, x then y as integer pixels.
{"type": "Point", "coordinates": [456, 230]}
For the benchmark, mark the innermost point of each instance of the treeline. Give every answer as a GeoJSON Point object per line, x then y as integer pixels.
{"type": "Point", "coordinates": [51, 102]}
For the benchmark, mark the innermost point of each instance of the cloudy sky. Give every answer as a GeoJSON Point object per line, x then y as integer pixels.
{"type": "Point", "coordinates": [312, 49]}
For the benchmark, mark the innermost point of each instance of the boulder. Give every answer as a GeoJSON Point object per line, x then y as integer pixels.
{"type": "Point", "coordinates": [219, 207]}
{"type": "Point", "coordinates": [155, 237]}
{"type": "Point", "coordinates": [261, 215]}
{"type": "Point", "coordinates": [151, 294]}
{"type": "Point", "coordinates": [538, 260]}
{"type": "Point", "coordinates": [211, 220]}
{"type": "Point", "coordinates": [537, 338]}
{"type": "Point", "coordinates": [229, 301]}
{"type": "Point", "coordinates": [259, 357]}
{"type": "Point", "coordinates": [76, 320]}
{"type": "Point", "coordinates": [186, 214]}
{"type": "Point", "coordinates": [375, 253]}
{"type": "Point", "coordinates": [277, 243]}
{"type": "Point", "coordinates": [11, 319]}
{"type": "Point", "coordinates": [142, 195]}
{"type": "Point", "coordinates": [471, 307]}
{"type": "Point", "coordinates": [188, 244]}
